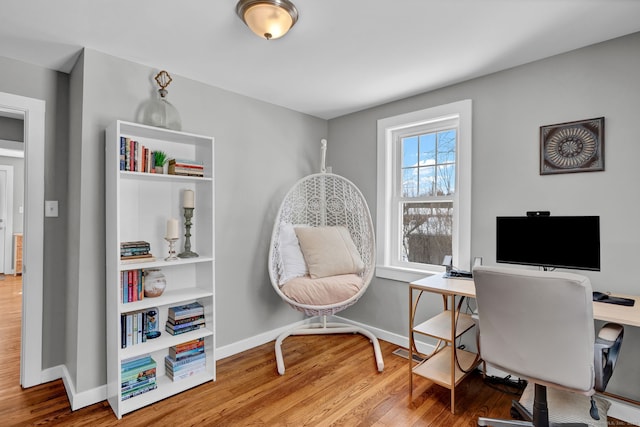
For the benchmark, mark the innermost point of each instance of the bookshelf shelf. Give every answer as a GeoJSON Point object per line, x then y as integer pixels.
{"type": "Point", "coordinates": [164, 341]}
{"type": "Point", "coordinates": [138, 206]}
{"type": "Point", "coordinates": [169, 297]}
{"type": "Point", "coordinates": [162, 177]}
{"type": "Point", "coordinates": [166, 388]}
{"type": "Point", "coordinates": [161, 263]}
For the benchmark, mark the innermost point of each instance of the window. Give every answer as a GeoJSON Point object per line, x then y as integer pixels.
{"type": "Point", "coordinates": [424, 191]}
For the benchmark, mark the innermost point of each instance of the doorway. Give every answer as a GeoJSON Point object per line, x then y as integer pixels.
{"type": "Point", "coordinates": [32, 111]}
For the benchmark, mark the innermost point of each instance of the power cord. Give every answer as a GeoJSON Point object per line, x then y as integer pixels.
{"type": "Point", "coordinates": [506, 384]}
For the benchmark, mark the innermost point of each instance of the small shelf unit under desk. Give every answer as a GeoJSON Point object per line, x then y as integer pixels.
{"type": "Point", "coordinates": [446, 365]}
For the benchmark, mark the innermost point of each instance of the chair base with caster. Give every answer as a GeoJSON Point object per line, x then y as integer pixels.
{"type": "Point", "coordinates": [524, 418]}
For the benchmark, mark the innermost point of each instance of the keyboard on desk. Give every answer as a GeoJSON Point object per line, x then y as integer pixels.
{"type": "Point", "coordinates": [459, 274]}
{"type": "Point", "coordinates": [602, 297]}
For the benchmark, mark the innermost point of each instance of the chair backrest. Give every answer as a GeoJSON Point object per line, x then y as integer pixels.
{"type": "Point", "coordinates": [537, 325]}
{"type": "Point", "coordinates": [326, 199]}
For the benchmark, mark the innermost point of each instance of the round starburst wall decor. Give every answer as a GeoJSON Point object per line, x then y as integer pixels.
{"type": "Point", "coordinates": [572, 147]}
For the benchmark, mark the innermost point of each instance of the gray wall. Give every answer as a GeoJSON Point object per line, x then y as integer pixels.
{"type": "Point", "coordinates": [508, 109]}
{"type": "Point", "coordinates": [260, 150]}
{"type": "Point", "coordinates": [35, 82]}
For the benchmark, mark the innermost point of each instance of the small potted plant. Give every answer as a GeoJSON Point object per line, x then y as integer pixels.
{"type": "Point", "coordinates": [160, 158]}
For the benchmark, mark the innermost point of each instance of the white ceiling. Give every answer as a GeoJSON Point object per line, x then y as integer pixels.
{"type": "Point", "coordinates": [342, 55]}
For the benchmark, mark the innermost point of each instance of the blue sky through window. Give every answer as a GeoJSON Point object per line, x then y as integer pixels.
{"type": "Point", "coordinates": [428, 164]}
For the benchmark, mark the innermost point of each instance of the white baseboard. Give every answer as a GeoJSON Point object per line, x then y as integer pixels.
{"type": "Point", "coordinates": [624, 411]}
{"type": "Point", "coordinates": [255, 341]}
{"type": "Point", "coordinates": [52, 374]}
{"type": "Point", "coordinates": [391, 337]}
{"type": "Point", "coordinates": [76, 400]}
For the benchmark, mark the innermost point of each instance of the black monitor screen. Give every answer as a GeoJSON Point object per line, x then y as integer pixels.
{"type": "Point", "coordinates": [549, 241]}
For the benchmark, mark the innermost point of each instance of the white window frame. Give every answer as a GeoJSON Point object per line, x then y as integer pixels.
{"type": "Point", "coordinates": [387, 214]}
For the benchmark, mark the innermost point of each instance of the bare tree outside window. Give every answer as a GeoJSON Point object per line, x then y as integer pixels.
{"type": "Point", "coordinates": [428, 185]}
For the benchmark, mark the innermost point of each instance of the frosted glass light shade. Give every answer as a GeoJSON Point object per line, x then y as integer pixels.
{"type": "Point", "coordinates": [270, 19]}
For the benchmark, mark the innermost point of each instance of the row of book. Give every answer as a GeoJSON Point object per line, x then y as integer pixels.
{"type": "Point", "coordinates": [185, 318]}
{"type": "Point", "coordinates": [185, 167]}
{"type": "Point", "coordinates": [135, 157]}
{"type": "Point", "coordinates": [185, 360]}
{"type": "Point", "coordinates": [132, 285]}
{"type": "Point", "coordinates": [135, 327]}
{"type": "Point", "coordinates": [138, 376]}
{"type": "Point", "coordinates": [138, 251]}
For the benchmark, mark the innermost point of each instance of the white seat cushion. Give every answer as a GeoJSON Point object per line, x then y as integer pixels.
{"type": "Point", "coordinates": [322, 291]}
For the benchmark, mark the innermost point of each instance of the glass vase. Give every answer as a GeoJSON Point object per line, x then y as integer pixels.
{"type": "Point", "coordinates": [161, 113]}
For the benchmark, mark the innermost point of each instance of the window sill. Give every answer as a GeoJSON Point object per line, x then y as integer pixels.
{"type": "Point", "coordinates": [402, 274]}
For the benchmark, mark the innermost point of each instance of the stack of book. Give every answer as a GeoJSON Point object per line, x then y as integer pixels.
{"type": "Point", "coordinates": [138, 376]}
{"type": "Point", "coordinates": [186, 167]}
{"type": "Point", "coordinates": [185, 359]}
{"type": "Point", "coordinates": [133, 328]}
{"type": "Point", "coordinates": [185, 318]}
{"type": "Point", "coordinates": [138, 251]}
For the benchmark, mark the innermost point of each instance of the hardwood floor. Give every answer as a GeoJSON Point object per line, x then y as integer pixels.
{"type": "Point", "coordinates": [330, 380]}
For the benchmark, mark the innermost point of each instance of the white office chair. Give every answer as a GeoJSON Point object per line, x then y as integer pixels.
{"type": "Point", "coordinates": [539, 326]}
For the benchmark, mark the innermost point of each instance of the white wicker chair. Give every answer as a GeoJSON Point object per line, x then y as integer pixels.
{"type": "Point", "coordinates": [325, 199]}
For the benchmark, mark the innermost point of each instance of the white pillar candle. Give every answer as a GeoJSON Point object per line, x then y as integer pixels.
{"type": "Point", "coordinates": [187, 199]}
{"type": "Point", "coordinates": [172, 228]}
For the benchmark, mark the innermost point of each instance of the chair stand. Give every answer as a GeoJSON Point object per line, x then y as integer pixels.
{"type": "Point", "coordinates": [324, 328]}
{"type": "Point", "coordinates": [540, 417]}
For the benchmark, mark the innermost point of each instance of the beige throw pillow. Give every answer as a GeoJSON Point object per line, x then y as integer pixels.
{"type": "Point", "coordinates": [329, 251]}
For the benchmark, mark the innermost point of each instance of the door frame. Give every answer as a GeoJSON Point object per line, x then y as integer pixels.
{"type": "Point", "coordinates": [33, 112]}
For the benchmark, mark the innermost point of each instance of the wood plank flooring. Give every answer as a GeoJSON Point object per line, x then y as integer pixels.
{"type": "Point", "coordinates": [329, 381]}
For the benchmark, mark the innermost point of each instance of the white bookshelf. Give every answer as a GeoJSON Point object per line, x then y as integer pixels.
{"type": "Point", "coordinates": [138, 205]}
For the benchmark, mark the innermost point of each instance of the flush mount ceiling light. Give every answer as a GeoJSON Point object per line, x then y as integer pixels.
{"type": "Point", "coordinates": [270, 19]}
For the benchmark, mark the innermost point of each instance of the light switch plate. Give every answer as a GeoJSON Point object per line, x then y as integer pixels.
{"type": "Point", "coordinates": [51, 208]}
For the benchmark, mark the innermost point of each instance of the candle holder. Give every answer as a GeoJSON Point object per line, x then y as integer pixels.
{"type": "Point", "coordinates": [188, 253]}
{"type": "Point", "coordinates": [172, 249]}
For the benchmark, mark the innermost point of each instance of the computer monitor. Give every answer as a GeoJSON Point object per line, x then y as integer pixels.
{"type": "Point", "coordinates": [571, 242]}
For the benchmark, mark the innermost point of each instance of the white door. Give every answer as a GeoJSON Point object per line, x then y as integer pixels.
{"type": "Point", "coordinates": [6, 219]}
{"type": "Point", "coordinates": [3, 218]}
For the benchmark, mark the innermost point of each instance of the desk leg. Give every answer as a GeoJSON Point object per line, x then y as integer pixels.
{"type": "Point", "coordinates": [453, 354]}
{"type": "Point", "coordinates": [411, 344]}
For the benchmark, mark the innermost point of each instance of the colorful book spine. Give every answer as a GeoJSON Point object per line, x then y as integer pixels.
{"type": "Point", "coordinates": [136, 157]}
{"type": "Point", "coordinates": [187, 374]}
{"type": "Point", "coordinates": [183, 330]}
{"type": "Point", "coordinates": [132, 285]}
{"type": "Point", "coordinates": [185, 311]}
{"type": "Point", "coordinates": [133, 328]}
{"type": "Point", "coordinates": [198, 321]}
{"type": "Point", "coordinates": [186, 353]}
{"type": "Point", "coordinates": [175, 364]}
{"type": "Point", "coordinates": [122, 152]}
{"type": "Point", "coordinates": [187, 348]}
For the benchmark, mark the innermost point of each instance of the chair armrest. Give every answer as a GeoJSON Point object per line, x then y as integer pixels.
{"type": "Point", "coordinates": [607, 347]}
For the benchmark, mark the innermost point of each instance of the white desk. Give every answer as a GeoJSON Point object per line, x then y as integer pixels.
{"type": "Point", "coordinates": [440, 366]}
